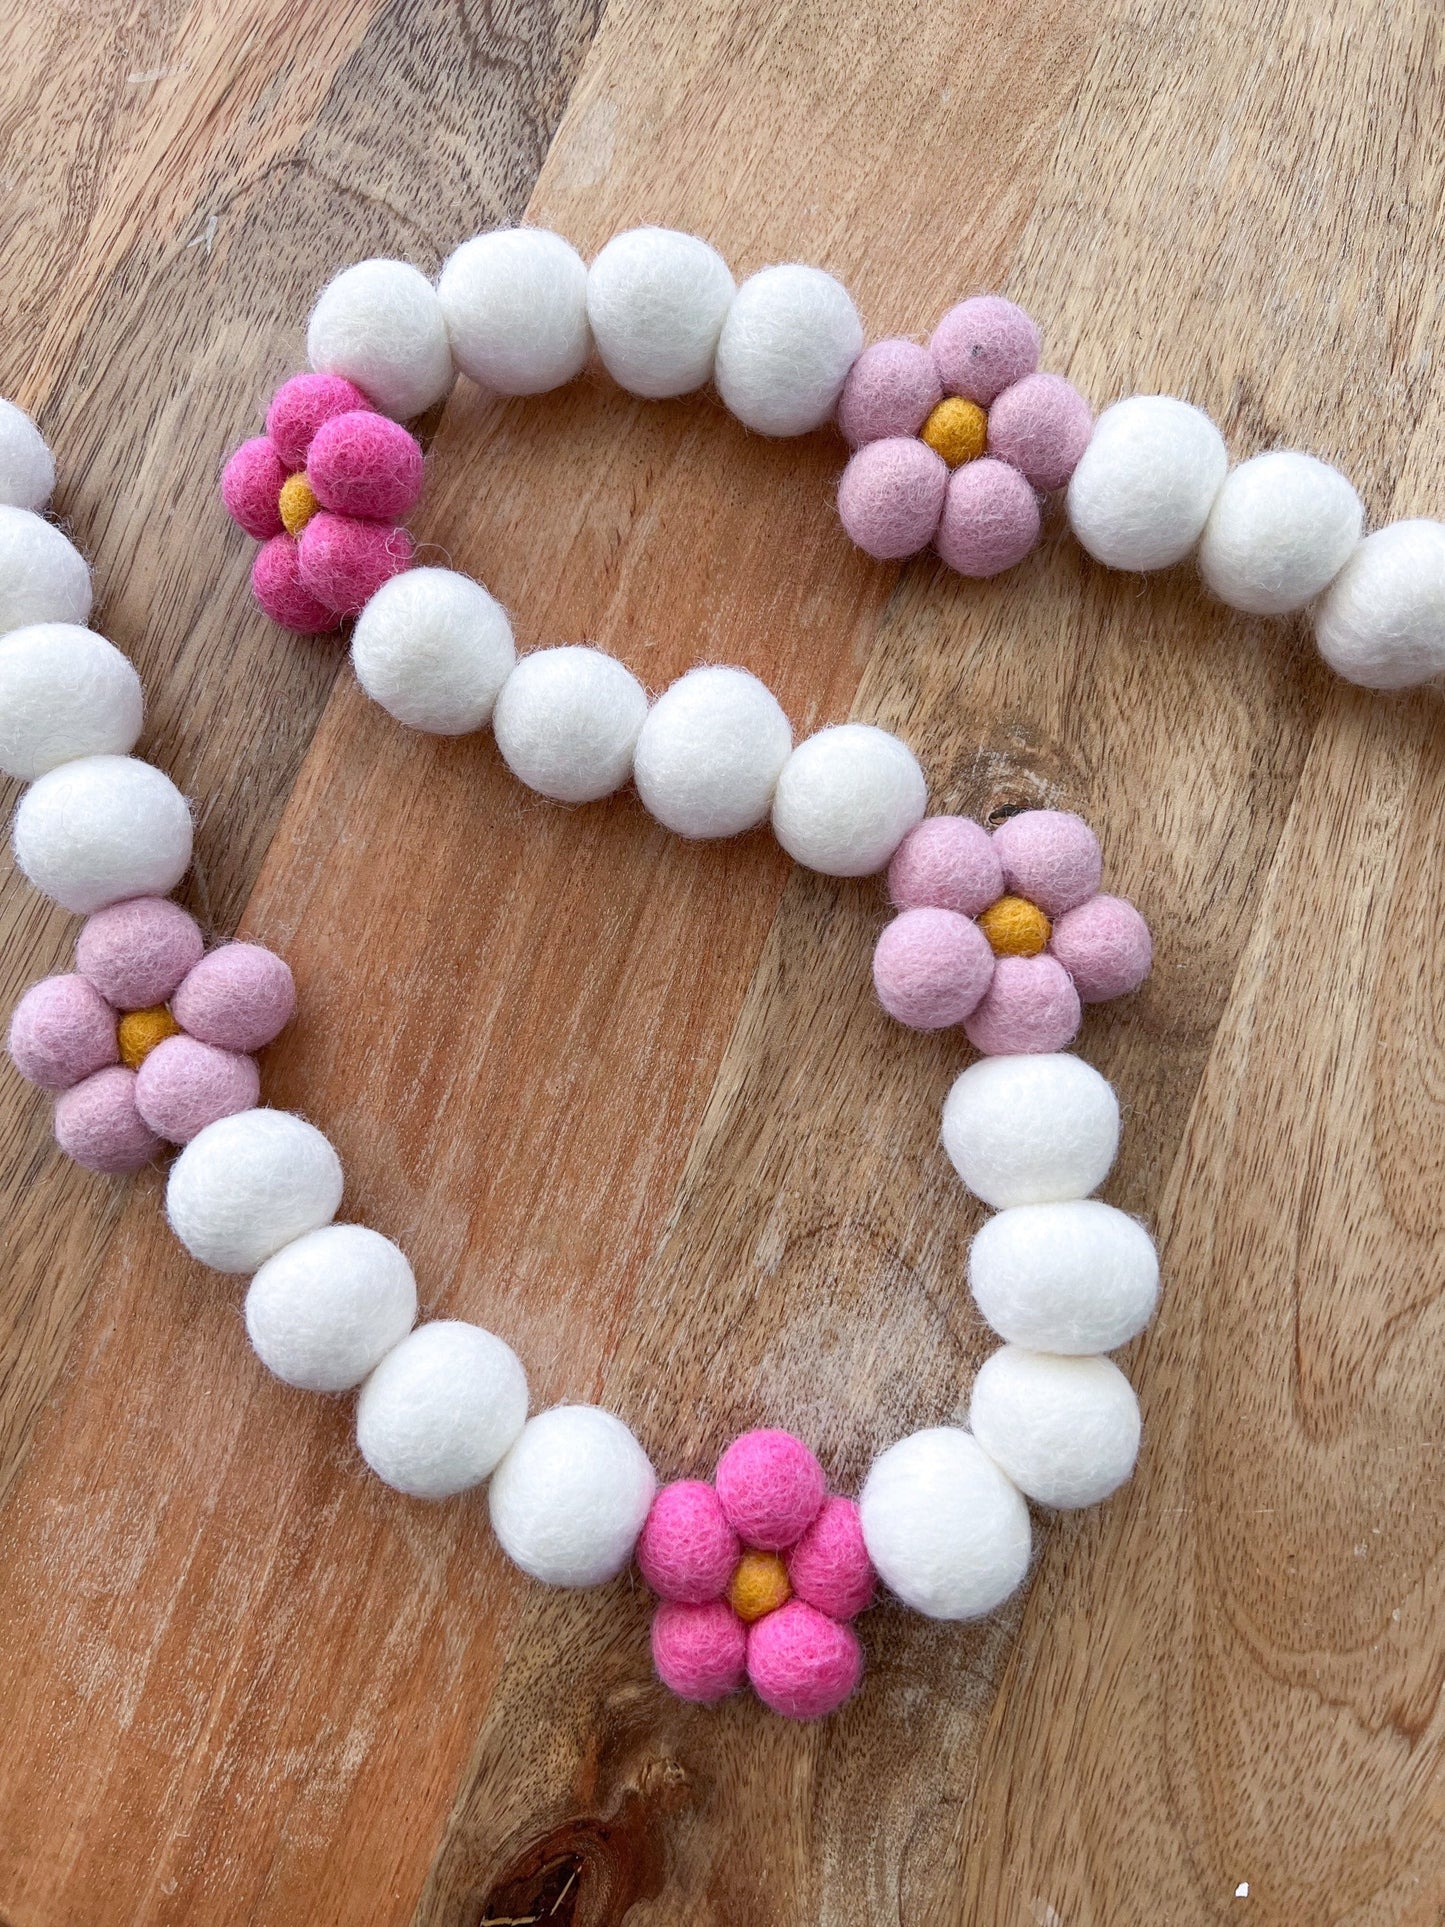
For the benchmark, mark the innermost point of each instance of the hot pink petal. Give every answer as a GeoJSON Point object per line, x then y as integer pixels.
{"type": "Point", "coordinates": [342, 562]}
{"type": "Point", "coordinates": [802, 1663]}
{"type": "Point", "coordinates": [183, 1085]}
{"type": "Point", "coordinates": [890, 497]}
{"type": "Point", "coordinates": [1030, 1006]}
{"type": "Point", "coordinates": [931, 967]}
{"type": "Point", "coordinates": [299, 407]}
{"type": "Point", "coordinates": [891, 389]}
{"type": "Point", "coordinates": [136, 952]}
{"type": "Point", "coordinates": [990, 519]}
{"type": "Point", "coordinates": [362, 463]}
{"type": "Point", "coordinates": [98, 1125]}
{"type": "Point", "coordinates": [984, 345]}
{"type": "Point", "coordinates": [687, 1550]}
{"type": "Point", "coordinates": [947, 863]}
{"type": "Point", "coordinates": [829, 1567]}
{"type": "Point", "coordinates": [276, 584]}
{"type": "Point", "coordinates": [699, 1651]}
{"type": "Point", "coordinates": [251, 485]}
{"type": "Point", "coordinates": [1105, 946]}
{"type": "Point", "coordinates": [239, 997]}
{"type": "Point", "coordinates": [61, 1031]}
{"type": "Point", "coordinates": [771, 1487]}
{"type": "Point", "coordinates": [1051, 857]}
{"type": "Point", "coordinates": [1042, 426]}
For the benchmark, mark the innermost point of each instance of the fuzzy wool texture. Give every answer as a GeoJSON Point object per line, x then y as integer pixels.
{"type": "Point", "coordinates": [1041, 426]}
{"type": "Point", "coordinates": [276, 584]}
{"type": "Point", "coordinates": [136, 952]}
{"type": "Point", "coordinates": [771, 1487]}
{"type": "Point", "coordinates": [1382, 622]}
{"type": "Point", "coordinates": [342, 562]}
{"type": "Point", "coordinates": [570, 1498]}
{"type": "Point", "coordinates": [515, 305]}
{"type": "Point", "coordinates": [182, 1085]}
{"type": "Point", "coordinates": [1072, 1278]}
{"type": "Point", "coordinates": [846, 798]}
{"type": "Point", "coordinates": [139, 1031]}
{"type": "Point", "coordinates": [249, 1184]}
{"type": "Point", "coordinates": [441, 1407]}
{"type": "Point", "coordinates": [957, 430]}
{"type": "Point", "coordinates": [65, 692]}
{"type": "Point", "coordinates": [251, 485]}
{"type": "Point", "coordinates": [947, 863]}
{"type": "Point", "coordinates": [990, 519]}
{"type": "Point", "coordinates": [759, 1585]}
{"type": "Point", "coordinates": [891, 390]}
{"type": "Point", "coordinates": [931, 967]}
{"type": "Point", "coordinates": [890, 497]}
{"type": "Point", "coordinates": [97, 1123]}
{"type": "Point", "coordinates": [947, 1531]}
{"type": "Point", "coordinates": [379, 324]}
{"type": "Point", "coordinates": [687, 1550]}
{"type": "Point", "coordinates": [1281, 529]}
{"type": "Point", "coordinates": [100, 829]}
{"type": "Point", "coordinates": [27, 470]}
{"type": "Point", "coordinates": [1143, 488]}
{"type": "Point", "coordinates": [1051, 857]}
{"type": "Point", "coordinates": [802, 1663]}
{"type": "Point", "coordinates": [829, 1566]}
{"type": "Point", "coordinates": [656, 303]}
{"type": "Point", "coordinates": [1065, 1430]}
{"type": "Point", "coordinates": [61, 1031]}
{"type": "Point", "coordinates": [1030, 1005]}
{"type": "Point", "coordinates": [567, 721]}
{"type": "Point", "coordinates": [983, 346]}
{"type": "Point", "coordinates": [365, 464]}
{"type": "Point", "coordinates": [1105, 946]}
{"type": "Point", "coordinates": [710, 752]}
{"type": "Point", "coordinates": [300, 406]}
{"type": "Point", "coordinates": [43, 577]}
{"type": "Point", "coordinates": [328, 1307]}
{"type": "Point", "coordinates": [238, 998]}
{"type": "Point", "coordinates": [434, 648]}
{"type": "Point", "coordinates": [789, 340]}
{"type": "Point", "coordinates": [699, 1649]}
{"type": "Point", "coordinates": [1031, 1129]}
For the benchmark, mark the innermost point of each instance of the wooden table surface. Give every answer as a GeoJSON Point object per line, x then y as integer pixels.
{"type": "Point", "coordinates": [629, 1102]}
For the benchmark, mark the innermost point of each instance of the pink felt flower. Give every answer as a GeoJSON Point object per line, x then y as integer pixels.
{"type": "Point", "coordinates": [759, 1575]}
{"type": "Point", "coordinates": [954, 442]}
{"type": "Point", "coordinates": [149, 1039]}
{"type": "Point", "coordinates": [325, 491]}
{"type": "Point", "coordinates": [1007, 934]}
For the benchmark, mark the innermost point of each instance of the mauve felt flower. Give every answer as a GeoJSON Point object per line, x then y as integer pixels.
{"type": "Point", "coordinates": [953, 442]}
{"type": "Point", "coordinates": [324, 490]}
{"type": "Point", "coordinates": [758, 1575]}
{"type": "Point", "coordinates": [1007, 934]}
{"type": "Point", "coordinates": [149, 1039]}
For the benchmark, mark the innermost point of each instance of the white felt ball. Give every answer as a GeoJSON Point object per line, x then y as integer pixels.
{"type": "Point", "coordinates": [329, 1306]}
{"type": "Point", "coordinates": [250, 1183]}
{"type": "Point", "coordinates": [27, 471]}
{"type": "Point", "coordinates": [567, 722]}
{"type": "Point", "coordinates": [946, 1530]}
{"type": "Point", "coordinates": [1145, 484]}
{"type": "Point", "coordinates": [790, 337]}
{"type": "Point", "coordinates": [43, 576]}
{"type": "Point", "coordinates": [1383, 621]}
{"type": "Point", "coordinates": [1076, 1277]}
{"type": "Point", "coordinates": [570, 1498]}
{"type": "Point", "coordinates": [846, 799]}
{"type": "Point", "coordinates": [656, 301]}
{"type": "Point", "coordinates": [710, 753]}
{"type": "Point", "coordinates": [64, 692]}
{"type": "Point", "coordinates": [441, 1408]}
{"type": "Point", "coordinates": [101, 829]}
{"type": "Point", "coordinates": [1065, 1430]}
{"type": "Point", "coordinates": [433, 648]}
{"type": "Point", "coordinates": [1281, 529]}
{"type": "Point", "coordinates": [380, 324]}
{"type": "Point", "coordinates": [515, 303]}
{"type": "Point", "coordinates": [1031, 1129]}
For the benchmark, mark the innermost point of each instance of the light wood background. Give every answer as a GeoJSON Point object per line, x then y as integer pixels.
{"type": "Point", "coordinates": [629, 1102]}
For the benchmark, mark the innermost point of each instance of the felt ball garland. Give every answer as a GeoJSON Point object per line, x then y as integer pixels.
{"type": "Point", "coordinates": [761, 1572]}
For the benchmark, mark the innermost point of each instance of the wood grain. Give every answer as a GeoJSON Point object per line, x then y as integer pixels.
{"type": "Point", "coordinates": [629, 1102]}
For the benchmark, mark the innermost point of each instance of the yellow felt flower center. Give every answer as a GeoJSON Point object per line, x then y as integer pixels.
{"type": "Point", "coordinates": [957, 430]}
{"type": "Point", "coordinates": [760, 1585]}
{"type": "Point", "coordinates": [297, 503]}
{"type": "Point", "coordinates": [139, 1031]}
{"type": "Point", "coordinates": [1015, 927]}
